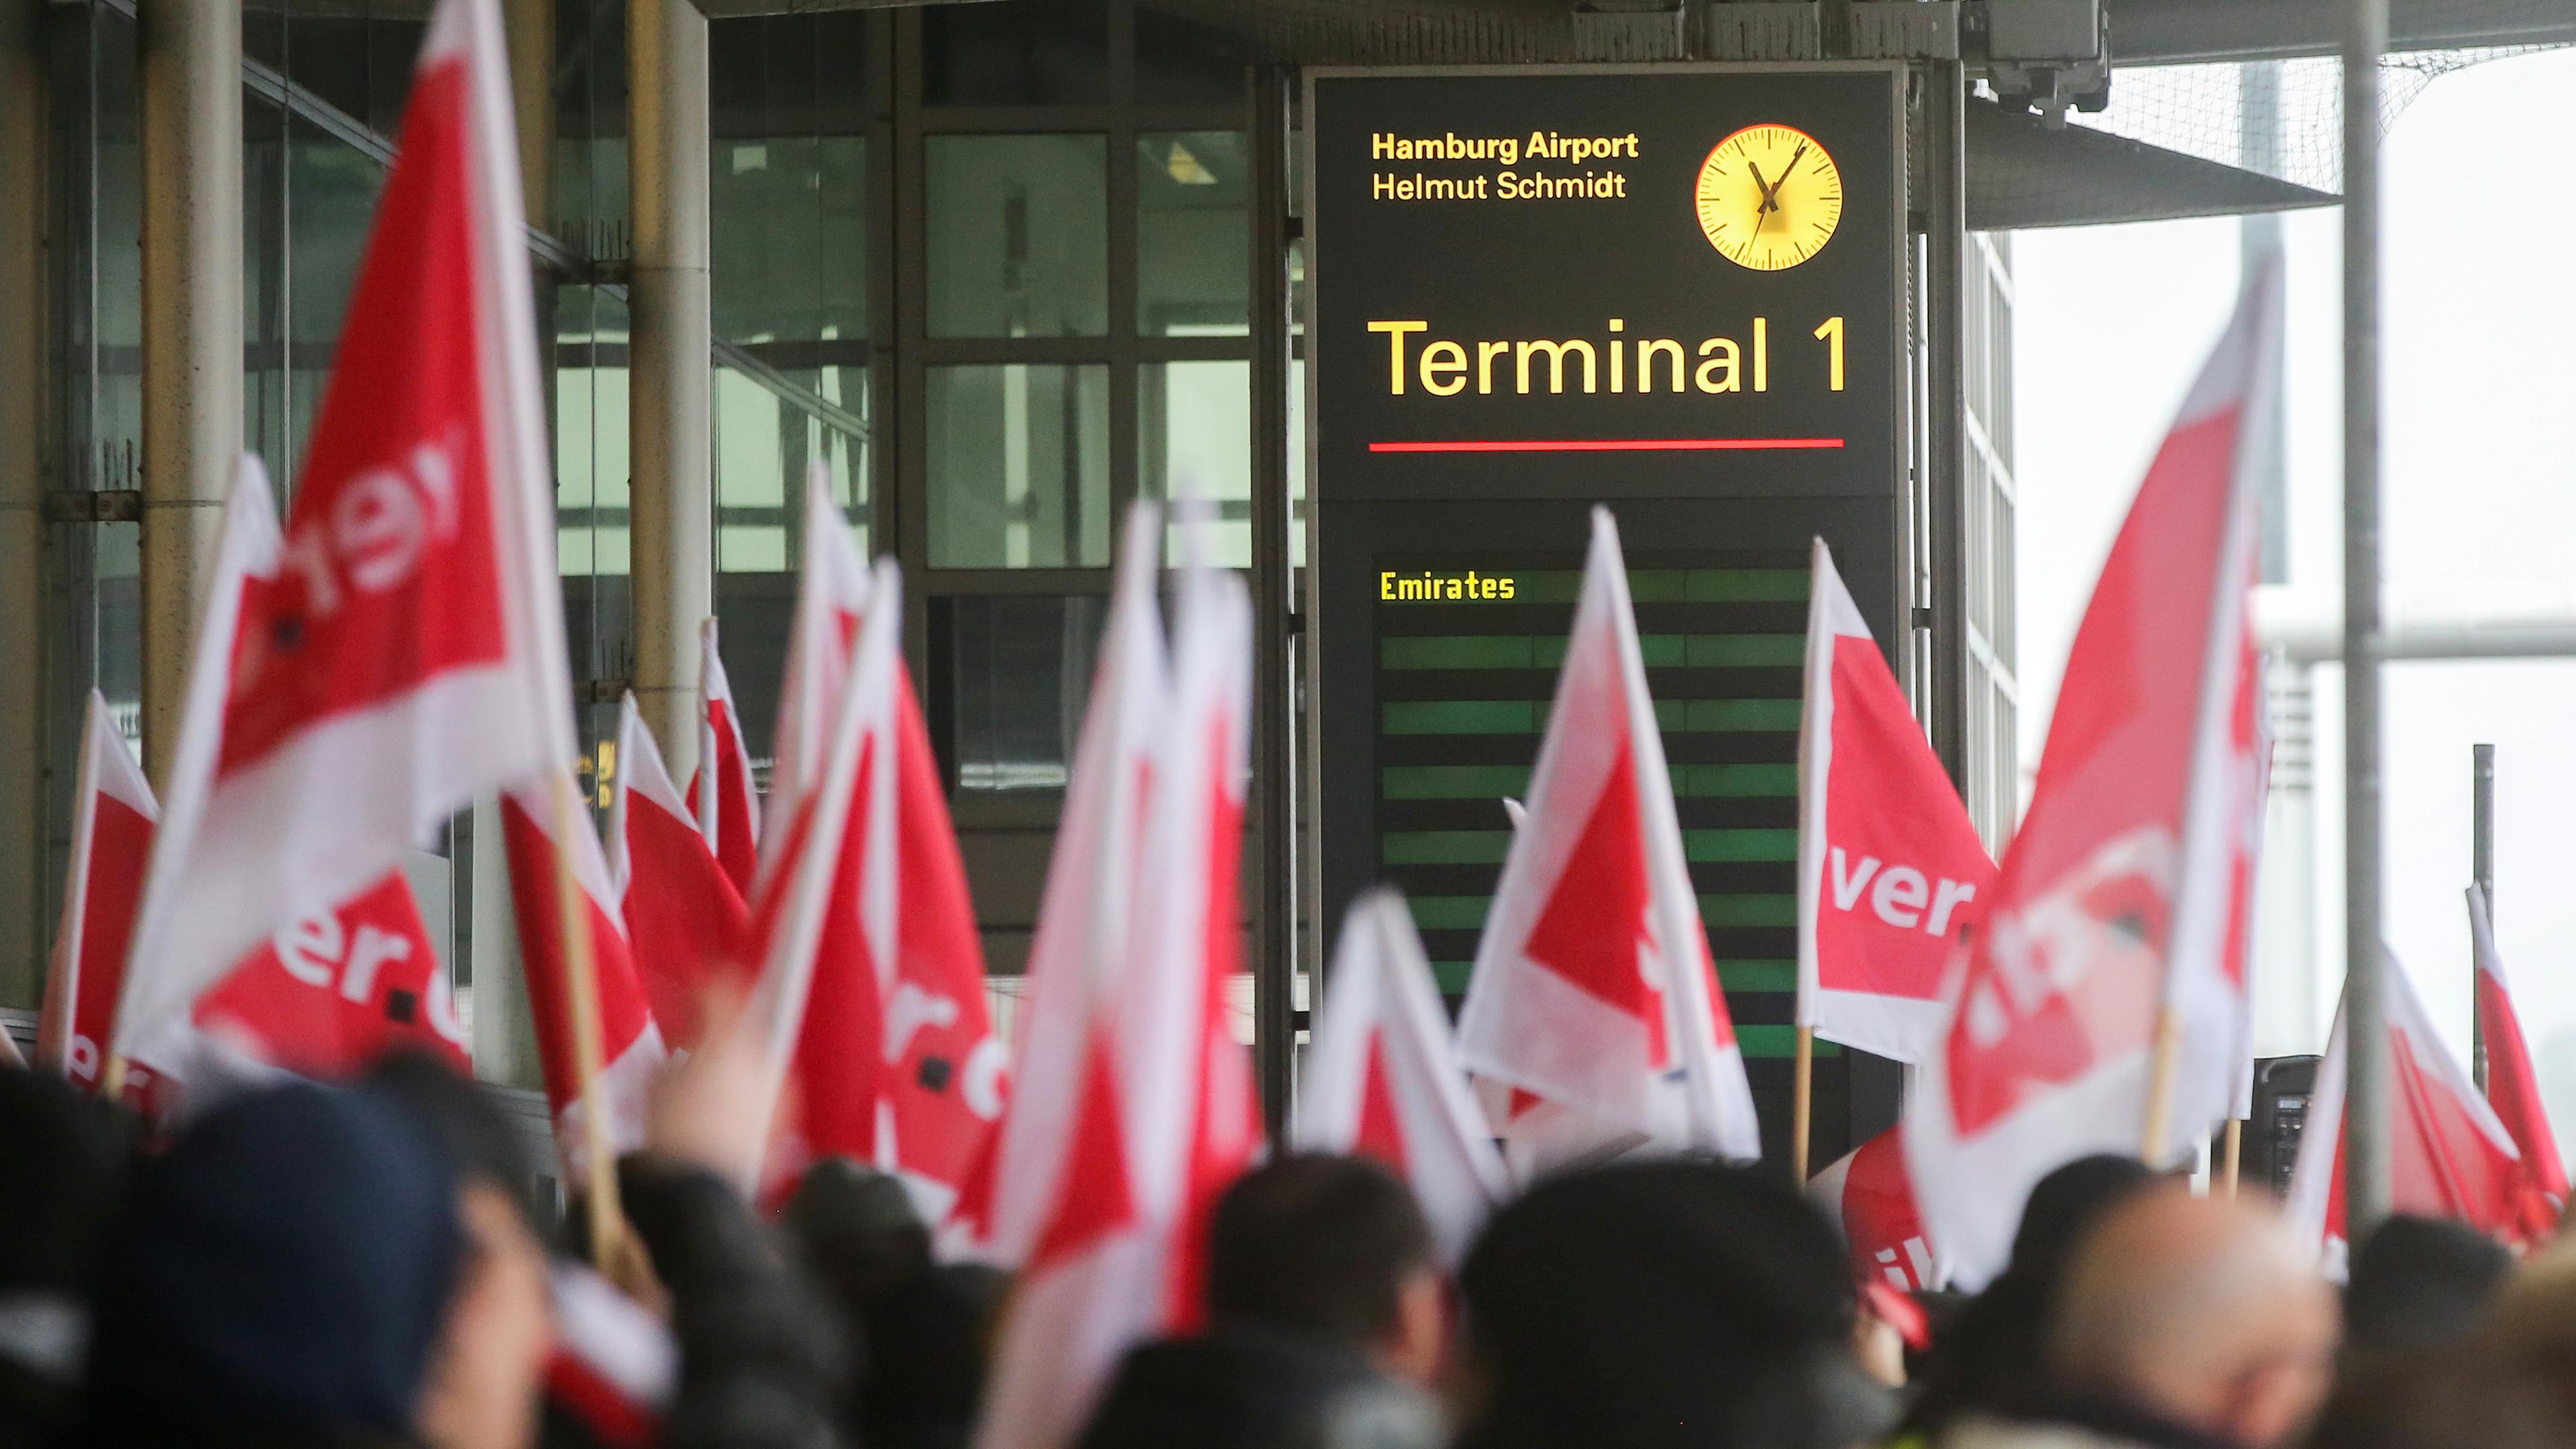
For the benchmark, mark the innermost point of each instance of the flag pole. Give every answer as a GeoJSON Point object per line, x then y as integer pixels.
{"type": "Point", "coordinates": [581, 987]}
{"type": "Point", "coordinates": [1802, 1104]}
{"type": "Point", "coordinates": [2235, 1153]}
{"type": "Point", "coordinates": [2482, 871]}
{"type": "Point", "coordinates": [2160, 1084]}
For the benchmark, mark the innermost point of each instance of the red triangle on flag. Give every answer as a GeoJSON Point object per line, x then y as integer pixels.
{"type": "Point", "coordinates": [1093, 1200]}
{"type": "Point", "coordinates": [1381, 1133]}
{"type": "Point", "coordinates": [1594, 923]}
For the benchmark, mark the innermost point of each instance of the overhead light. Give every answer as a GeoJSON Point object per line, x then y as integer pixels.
{"type": "Point", "coordinates": [1187, 169]}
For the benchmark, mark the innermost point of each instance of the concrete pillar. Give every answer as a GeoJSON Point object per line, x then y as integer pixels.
{"type": "Point", "coordinates": [671, 498]}
{"type": "Point", "coordinates": [22, 498]}
{"type": "Point", "coordinates": [504, 1031]}
{"type": "Point", "coordinates": [531, 41]}
{"type": "Point", "coordinates": [190, 68]}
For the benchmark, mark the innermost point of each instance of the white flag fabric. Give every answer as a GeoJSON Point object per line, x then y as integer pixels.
{"type": "Point", "coordinates": [721, 794]}
{"type": "Point", "coordinates": [1382, 1078]}
{"type": "Point", "coordinates": [832, 594]}
{"type": "Point", "coordinates": [1063, 1203]}
{"type": "Point", "coordinates": [113, 815]}
{"type": "Point", "coordinates": [1593, 988]}
{"type": "Point", "coordinates": [2110, 913]}
{"type": "Point", "coordinates": [400, 643]}
{"type": "Point", "coordinates": [2513, 1088]}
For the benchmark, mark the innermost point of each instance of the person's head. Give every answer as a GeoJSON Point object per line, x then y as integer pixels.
{"type": "Point", "coordinates": [2205, 1312]}
{"type": "Point", "coordinates": [492, 1352]}
{"type": "Point", "coordinates": [2419, 1282]}
{"type": "Point", "coordinates": [1662, 1303]}
{"type": "Point", "coordinates": [859, 1230]}
{"type": "Point", "coordinates": [927, 1340]}
{"type": "Point", "coordinates": [1336, 1248]}
{"type": "Point", "coordinates": [283, 1274]}
{"type": "Point", "coordinates": [2069, 1200]}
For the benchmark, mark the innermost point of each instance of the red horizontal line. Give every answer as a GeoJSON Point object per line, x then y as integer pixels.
{"type": "Point", "coordinates": [1604, 445]}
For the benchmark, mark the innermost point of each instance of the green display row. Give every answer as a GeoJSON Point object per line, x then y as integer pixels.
{"type": "Point", "coordinates": [1547, 651]}
{"type": "Point", "coordinates": [1488, 847]}
{"type": "Point", "coordinates": [1467, 913]}
{"type": "Point", "coordinates": [1472, 782]}
{"type": "Point", "coordinates": [1529, 716]}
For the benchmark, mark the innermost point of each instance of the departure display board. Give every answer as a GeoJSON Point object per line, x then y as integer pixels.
{"type": "Point", "coordinates": [1673, 291]}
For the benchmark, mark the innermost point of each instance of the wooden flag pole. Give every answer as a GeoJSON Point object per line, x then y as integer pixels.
{"type": "Point", "coordinates": [2235, 1153]}
{"type": "Point", "coordinates": [1802, 1094]}
{"type": "Point", "coordinates": [581, 986]}
{"type": "Point", "coordinates": [2168, 1059]}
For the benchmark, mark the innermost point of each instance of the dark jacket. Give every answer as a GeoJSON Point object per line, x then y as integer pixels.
{"type": "Point", "coordinates": [1241, 1388]}
{"type": "Point", "coordinates": [764, 1362]}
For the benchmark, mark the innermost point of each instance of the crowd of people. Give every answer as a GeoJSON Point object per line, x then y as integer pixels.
{"type": "Point", "coordinates": [364, 1264]}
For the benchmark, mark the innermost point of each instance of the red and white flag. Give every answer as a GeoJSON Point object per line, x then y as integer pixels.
{"type": "Point", "coordinates": [112, 821]}
{"type": "Point", "coordinates": [1193, 1116]}
{"type": "Point", "coordinates": [819, 927]}
{"type": "Point", "coordinates": [630, 1045]}
{"type": "Point", "coordinates": [1061, 1204]}
{"type": "Point", "coordinates": [1594, 989]}
{"type": "Point", "coordinates": [1889, 866]}
{"type": "Point", "coordinates": [2448, 1155]}
{"type": "Point", "coordinates": [681, 914]}
{"type": "Point", "coordinates": [1871, 1199]}
{"type": "Point", "coordinates": [728, 810]}
{"type": "Point", "coordinates": [2111, 907]}
{"type": "Point", "coordinates": [2254, 736]}
{"type": "Point", "coordinates": [334, 990]}
{"type": "Point", "coordinates": [2513, 1089]}
{"type": "Point", "coordinates": [832, 589]}
{"type": "Point", "coordinates": [1382, 1079]}
{"type": "Point", "coordinates": [399, 647]}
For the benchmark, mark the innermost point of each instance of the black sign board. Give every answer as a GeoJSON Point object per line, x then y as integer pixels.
{"type": "Point", "coordinates": [1676, 291]}
{"type": "Point", "coordinates": [1642, 283]}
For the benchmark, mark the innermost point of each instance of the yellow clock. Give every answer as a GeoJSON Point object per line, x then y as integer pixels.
{"type": "Point", "coordinates": [1769, 197]}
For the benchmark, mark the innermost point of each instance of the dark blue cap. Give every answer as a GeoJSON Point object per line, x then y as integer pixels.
{"type": "Point", "coordinates": [286, 1262]}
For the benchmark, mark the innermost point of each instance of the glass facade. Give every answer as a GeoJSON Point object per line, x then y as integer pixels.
{"type": "Point", "coordinates": [1014, 236]}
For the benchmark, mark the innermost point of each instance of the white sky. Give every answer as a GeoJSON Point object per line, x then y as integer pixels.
{"type": "Point", "coordinates": [2480, 451]}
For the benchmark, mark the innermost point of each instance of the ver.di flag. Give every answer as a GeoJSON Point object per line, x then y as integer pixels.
{"type": "Point", "coordinates": [2513, 1088]}
{"type": "Point", "coordinates": [1382, 1079]}
{"type": "Point", "coordinates": [1060, 1202]}
{"type": "Point", "coordinates": [832, 587]}
{"type": "Point", "coordinates": [398, 646]}
{"type": "Point", "coordinates": [1889, 867]}
{"type": "Point", "coordinates": [533, 827]}
{"type": "Point", "coordinates": [112, 821]}
{"type": "Point", "coordinates": [1594, 991]}
{"type": "Point", "coordinates": [2448, 1155]}
{"type": "Point", "coordinates": [721, 796]}
{"type": "Point", "coordinates": [1870, 1198]}
{"type": "Point", "coordinates": [683, 921]}
{"type": "Point", "coordinates": [2110, 911]}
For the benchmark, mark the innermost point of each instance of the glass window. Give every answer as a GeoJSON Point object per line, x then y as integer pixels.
{"type": "Point", "coordinates": [1180, 61]}
{"type": "Point", "coordinates": [788, 185]}
{"type": "Point", "coordinates": [765, 442]}
{"type": "Point", "coordinates": [1193, 234]}
{"type": "Point", "coordinates": [1020, 666]}
{"type": "Point", "coordinates": [592, 535]}
{"type": "Point", "coordinates": [1018, 458]}
{"type": "Point", "coordinates": [1194, 434]}
{"type": "Point", "coordinates": [1018, 235]}
{"type": "Point", "coordinates": [1024, 53]}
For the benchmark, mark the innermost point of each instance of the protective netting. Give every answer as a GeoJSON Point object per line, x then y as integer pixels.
{"type": "Point", "coordinates": [2283, 118]}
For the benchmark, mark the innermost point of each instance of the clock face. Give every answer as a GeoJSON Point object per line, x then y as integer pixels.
{"type": "Point", "coordinates": [1769, 197]}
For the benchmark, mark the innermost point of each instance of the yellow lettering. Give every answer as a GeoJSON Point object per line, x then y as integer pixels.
{"type": "Point", "coordinates": [1386, 585]}
{"type": "Point", "coordinates": [1761, 354]}
{"type": "Point", "coordinates": [1453, 589]}
{"type": "Point", "coordinates": [1486, 352]}
{"type": "Point", "coordinates": [1831, 334]}
{"type": "Point", "coordinates": [1556, 352]}
{"type": "Point", "coordinates": [1395, 335]}
{"type": "Point", "coordinates": [1646, 350]}
{"type": "Point", "coordinates": [1507, 588]}
{"type": "Point", "coordinates": [1443, 364]}
{"type": "Point", "coordinates": [1721, 354]}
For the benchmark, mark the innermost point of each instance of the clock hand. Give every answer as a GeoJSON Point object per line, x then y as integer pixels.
{"type": "Point", "coordinates": [1762, 208]}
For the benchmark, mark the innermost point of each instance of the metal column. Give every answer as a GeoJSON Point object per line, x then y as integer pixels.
{"type": "Point", "coordinates": [1274, 786]}
{"type": "Point", "coordinates": [2481, 871]}
{"type": "Point", "coordinates": [191, 75]}
{"type": "Point", "coordinates": [2365, 1154]}
{"type": "Point", "coordinates": [671, 499]}
{"type": "Point", "coordinates": [1945, 452]}
{"type": "Point", "coordinates": [23, 333]}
